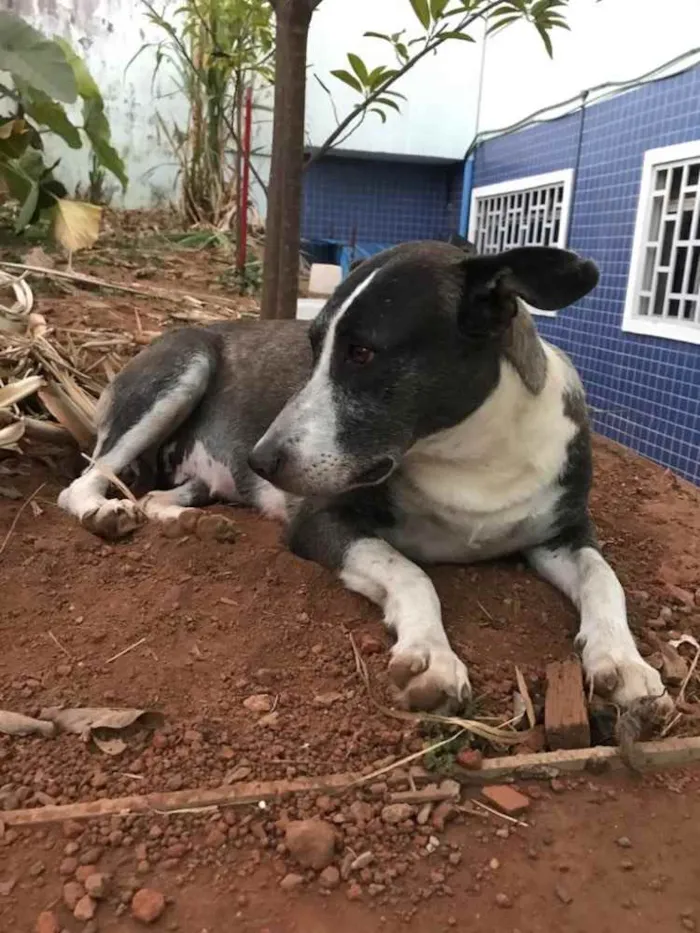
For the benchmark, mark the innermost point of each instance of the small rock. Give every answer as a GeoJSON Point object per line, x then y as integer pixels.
{"type": "Point", "coordinates": [563, 894]}
{"type": "Point", "coordinates": [506, 798]}
{"type": "Point", "coordinates": [424, 814]}
{"type": "Point", "coordinates": [90, 856]}
{"type": "Point", "coordinates": [6, 887]}
{"type": "Point", "coordinates": [291, 881]}
{"type": "Point", "coordinates": [494, 864]}
{"type": "Point", "coordinates": [99, 780]}
{"type": "Point", "coordinates": [47, 922]}
{"type": "Point", "coordinates": [471, 759]}
{"type": "Point", "coordinates": [85, 909]}
{"type": "Point", "coordinates": [68, 867]}
{"type": "Point", "coordinates": [395, 813]}
{"type": "Point", "coordinates": [84, 871]}
{"type": "Point", "coordinates": [311, 842]}
{"type": "Point", "coordinates": [370, 645]}
{"type": "Point", "coordinates": [147, 905]}
{"type": "Point", "coordinates": [215, 839]}
{"type": "Point", "coordinates": [238, 774]}
{"type": "Point", "coordinates": [627, 864]}
{"type": "Point", "coordinates": [329, 878]}
{"type": "Point", "coordinates": [688, 924]}
{"type": "Point", "coordinates": [270, 720]}
{"type": "Point", "coordinates": [259, 703]}
{"type": "Point", "coordinates": [354, 892]}
{"type": "Point", "coordinates": [361, 812]}
{"type": "Point", "coordinates": [327, 699]}
{"type": "Point", "coordinates": [72, 892]}
{"type": "Point", "coordinates": [503, 901]}
{"type": "Point", "coordinates": [624, 842]}
{"type": "Point", "coordinates": [38, 868]}
{"type": "Point", "coordinates": [97, 885]}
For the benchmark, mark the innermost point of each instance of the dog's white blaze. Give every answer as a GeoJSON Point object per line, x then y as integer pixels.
{"type": "Point", "coordinates": [608, 649]}
{"type": "Point", "coordinates": [86, 494]}
{"type": "Point", "coordinates": [494, 474]}
{"type": "Point", "coordinates": [314, 414]}
{"type": "Point", "coordinates": [199, 463]}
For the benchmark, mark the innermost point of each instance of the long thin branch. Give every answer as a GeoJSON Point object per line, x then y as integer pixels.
{"type": "Point", "coordinates": [429, 47]}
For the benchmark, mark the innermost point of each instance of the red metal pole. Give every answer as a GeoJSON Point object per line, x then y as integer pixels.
{"type": "Point", "coordinates": [245, 183]}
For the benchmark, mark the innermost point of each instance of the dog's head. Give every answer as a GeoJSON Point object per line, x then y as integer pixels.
{"type": "Point", "coordinates": [408, 345]}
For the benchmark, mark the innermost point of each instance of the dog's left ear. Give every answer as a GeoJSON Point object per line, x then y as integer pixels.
{"type": "Point", "coordinates": [545, 277]}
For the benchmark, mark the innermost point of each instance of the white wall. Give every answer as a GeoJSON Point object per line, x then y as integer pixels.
{"type": "Point", "coordinates": [610, 40]}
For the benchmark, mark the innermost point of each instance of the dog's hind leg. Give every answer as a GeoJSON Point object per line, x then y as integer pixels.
{"type": "Point", "coordinates": [144, 405]}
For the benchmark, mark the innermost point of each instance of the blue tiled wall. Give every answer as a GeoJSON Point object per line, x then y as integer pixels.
{"type": "Point", "coordinates": [644, 391]}
{"type": "Point", "coordinates": [379, 201]}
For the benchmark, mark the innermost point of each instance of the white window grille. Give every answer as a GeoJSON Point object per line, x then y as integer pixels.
{"type": "Point", "coordinates": [531, 211]}
{"type": "Point", "coordinates": [663, 292]}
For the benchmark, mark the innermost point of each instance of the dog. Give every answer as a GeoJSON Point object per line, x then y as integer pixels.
{"type": "Point", "coordinates": [418, 419]}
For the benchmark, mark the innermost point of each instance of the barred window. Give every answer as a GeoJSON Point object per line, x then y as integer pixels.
{"type": "Point", "coordinates": [663, 294]}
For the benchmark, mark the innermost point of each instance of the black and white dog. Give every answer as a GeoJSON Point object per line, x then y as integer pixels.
{"type": "Point", "coordinates": [418, 419]}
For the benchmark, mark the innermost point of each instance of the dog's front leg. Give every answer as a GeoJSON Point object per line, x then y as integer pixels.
{"type": "Point", "coordinates": [427, 672]}
{"type": "Point", "coordinates": [611, 660]}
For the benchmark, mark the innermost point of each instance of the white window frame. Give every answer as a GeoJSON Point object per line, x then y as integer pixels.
{"type": "Point", "coordinates": [631, 321]}
{"type": "Point", "coordinates": [527, 183]}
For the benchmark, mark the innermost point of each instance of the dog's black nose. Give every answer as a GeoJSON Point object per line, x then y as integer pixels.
{"type": "Point", "coordinates": [266, 460]}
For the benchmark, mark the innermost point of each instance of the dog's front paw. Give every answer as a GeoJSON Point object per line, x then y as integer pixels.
{"type": "Point", "coordinates": [626, 679]}
{"type": "Point", "coordinates": [114, 518]}
{"type": "Point", "coordinates": [429, 677]}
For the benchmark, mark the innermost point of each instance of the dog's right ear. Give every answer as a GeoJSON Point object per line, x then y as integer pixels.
{"type": "Point", "coordinates": [545, 277]}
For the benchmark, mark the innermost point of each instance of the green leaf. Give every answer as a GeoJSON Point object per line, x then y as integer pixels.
{"type": "Point", "coordinates": [359, 67]}
{"type": "Point", "coordinates": [96, 127]}
{"type": "Point", "coordinates": [457, 35]}
{"type": "Point", "coordinates": [85, 83]}
{"type": "Point", "coordinates": [402, 51]}
{"type": "Point", "coordinates": [437, 8]}
{"type": "Point", "coordinates": [35, 59]}
{"type": "Point", "coordinates": [422, 11]}
{"type": "Point", "coordinates": [379, 35]}
{"type": "Point", "coordinates": [28, 208]}
{"type": "Point", "coordinates": [502, 23]}
{"type": "Point", "coordinates": [48, 112]}
{"type": "Point", "coordinates": [376, 76]}
{"type": "Point", "coordinates": [378, 111]}
{"type": "Point", "coordinates": [347, 78]}
{"type": "Point", "coordinates": [547, 41]}
{"type": "Point", "coordinates": [388, 102]}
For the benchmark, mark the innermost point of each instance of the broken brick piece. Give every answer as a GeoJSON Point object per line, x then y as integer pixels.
{"type": "Point", "coordinates": [565, 710]}
{"type": "Point", "coordinates": [506, 798]}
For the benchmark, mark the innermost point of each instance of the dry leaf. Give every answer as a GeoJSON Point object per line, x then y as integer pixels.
{"type": "Point", "coordinates": [68, 414]}
{"type": "Point", "coordinates": [100, 724]}
{"type": "Point", "coordinates": [76, 224]}
{"type": "Point", "coordinates": [36, 325]}
{"type": "Point", "coordinates": [685, 640]}
{"type": "Point", "coordinates": [17, 724]}
{"type": "Point", "coordinates": [21, 389]}
{"type": "Point", "coordinates": [11, 435]}
{"type": "Point", "coordinates": [9, 492]}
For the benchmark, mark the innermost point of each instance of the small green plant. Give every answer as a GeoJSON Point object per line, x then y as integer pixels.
{"type": "Point", "coordinates": [44, 75]}
{"type": "Point", "coordinates": [215, 49]}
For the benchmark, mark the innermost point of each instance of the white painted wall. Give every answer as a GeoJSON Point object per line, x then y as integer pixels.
{"type": "Point", "coordinates": [609, 40]}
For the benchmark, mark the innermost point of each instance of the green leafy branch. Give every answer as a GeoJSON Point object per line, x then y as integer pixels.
{"type": "Point", "coordinates": [441, 21]}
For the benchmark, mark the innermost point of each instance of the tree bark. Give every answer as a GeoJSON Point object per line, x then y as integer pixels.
{"type": "Point", "coordinates": [283, 224]}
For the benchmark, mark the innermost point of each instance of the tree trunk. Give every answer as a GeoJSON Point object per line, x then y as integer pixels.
{"type": "Point", "coordinates": [283, 233]}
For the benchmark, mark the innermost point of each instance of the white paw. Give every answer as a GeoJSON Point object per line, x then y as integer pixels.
{"type": "Point", "coordinates": [429, 677]}
{"type": "Point", "coordinates": [114, 518]}
{"type": "Point", "coordinates": [625, 678]}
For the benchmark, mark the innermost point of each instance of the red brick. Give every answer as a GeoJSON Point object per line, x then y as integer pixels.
{"type": "Point", "coordinates": [506, 798]}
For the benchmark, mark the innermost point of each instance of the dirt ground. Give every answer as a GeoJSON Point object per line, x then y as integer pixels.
{"type": "Point", "coordinates": [210, 625]}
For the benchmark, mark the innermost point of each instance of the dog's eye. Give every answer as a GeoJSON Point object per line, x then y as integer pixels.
{"type": "Point", "coordinates": [360, 356]}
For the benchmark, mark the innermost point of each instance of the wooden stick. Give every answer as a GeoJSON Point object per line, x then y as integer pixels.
{"type": "Point", "coordinates": [666, 753]}
{"type": "Point", "coordinates": [236, 795]}
{"type": "Point", "coordinates": [545, 765]}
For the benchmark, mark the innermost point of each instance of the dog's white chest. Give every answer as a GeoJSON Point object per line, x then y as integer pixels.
{"type": "Point", "coordinates": [489, 486]}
